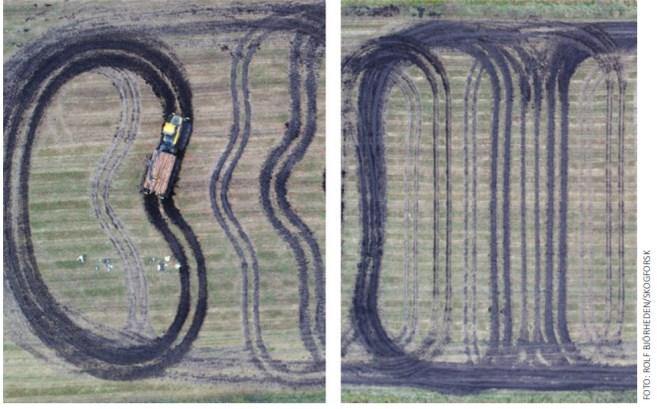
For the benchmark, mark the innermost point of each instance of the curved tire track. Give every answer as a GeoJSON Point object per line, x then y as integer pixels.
{"type": "Point", "coordinates": [222, 175]}
{"type": "Point", "coordinates": [100, 49]}
{"type": "Point", "coordinates": [505, 54]}
{"type": "Point", "coordinates": [136, 285]}
{"type": "Point", "coordinates": [47, 72]}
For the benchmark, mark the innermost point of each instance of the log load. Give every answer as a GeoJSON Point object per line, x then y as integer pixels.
{"type": "Point", "coordinates": [158, 175]}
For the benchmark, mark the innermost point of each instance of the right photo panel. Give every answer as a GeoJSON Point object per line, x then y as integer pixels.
{"type": "Point", "coordinates": [489, 201]}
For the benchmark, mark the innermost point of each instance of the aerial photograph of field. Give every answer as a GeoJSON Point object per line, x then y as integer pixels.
{"type": "Point", "coordinates": [163, 201]}
{"type": "Point", "coordinates": [489, 201]}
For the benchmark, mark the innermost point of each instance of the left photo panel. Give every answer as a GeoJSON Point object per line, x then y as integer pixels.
{"type": "Point", "coordinates": [164, 201]}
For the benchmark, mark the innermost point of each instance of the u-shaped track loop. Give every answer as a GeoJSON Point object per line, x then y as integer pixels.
{"type": "Point", "coordinates": [375, 62]}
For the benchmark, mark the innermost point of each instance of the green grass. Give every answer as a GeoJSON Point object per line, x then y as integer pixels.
{"type": "Point", "coordinates": [133, 393]}
{"type": "Point", "coordinates": [354, 394]}
{"type": "Point", "coordinates": [42, 383]}
{"type": "Point", "coordinates": [572, 9]}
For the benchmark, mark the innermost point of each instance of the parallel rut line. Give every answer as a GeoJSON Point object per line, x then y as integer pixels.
{"type": "Point", "coordinates": [533, 349]}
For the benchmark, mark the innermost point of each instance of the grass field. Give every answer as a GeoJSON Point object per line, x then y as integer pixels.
{"type": "Point", "coordinates": [367, 20]}
{"type": "Point", "coordinates": [355, 394]}
{"type": "Point", "coordinates": [76, 136]}
{"type": "Point", "coordinates": [505, 9]}
{"type": "Point", "coordinates": [39, 383]}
